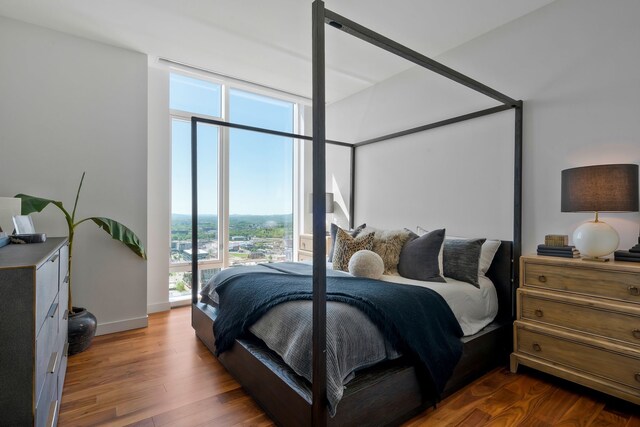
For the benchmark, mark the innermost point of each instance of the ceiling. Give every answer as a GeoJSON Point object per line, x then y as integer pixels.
{"type": "Point", "coordinates": [269, 41]}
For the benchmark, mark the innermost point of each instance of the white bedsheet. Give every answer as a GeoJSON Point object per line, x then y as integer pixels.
{"type": "Point", "coordinates": [474, 308]}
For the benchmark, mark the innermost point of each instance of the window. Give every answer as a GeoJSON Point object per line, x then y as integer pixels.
{"type": "Point", "coordinates": [260, 180]}
{"type": "Point", "coordinates": [245, 180]}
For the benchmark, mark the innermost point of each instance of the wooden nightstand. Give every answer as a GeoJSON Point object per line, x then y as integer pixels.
{"type": "Point", "coordinates": [580, 321]}
{"type": "Point", "coordinates": [305, 249]}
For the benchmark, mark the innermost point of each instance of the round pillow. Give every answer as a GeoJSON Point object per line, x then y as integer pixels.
{"type": "Point", "coordinates": [366, 263]}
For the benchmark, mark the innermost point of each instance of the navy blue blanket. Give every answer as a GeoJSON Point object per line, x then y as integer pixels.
{"type": "Point", "coordinates": [413, 319]}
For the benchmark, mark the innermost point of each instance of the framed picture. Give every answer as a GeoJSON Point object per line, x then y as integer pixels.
{"type": "Point", "coordinates": [23, 224]}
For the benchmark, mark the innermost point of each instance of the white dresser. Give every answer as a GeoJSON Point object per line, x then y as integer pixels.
{"type": "Point", "coordinates": [33, 331]}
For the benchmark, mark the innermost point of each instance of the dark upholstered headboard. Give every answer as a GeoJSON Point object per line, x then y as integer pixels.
{"type": "Point", "coordinates": [502, 275]}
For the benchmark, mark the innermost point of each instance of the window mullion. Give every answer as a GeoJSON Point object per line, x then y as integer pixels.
{"type": "Point", "coordinates": [223, 195]}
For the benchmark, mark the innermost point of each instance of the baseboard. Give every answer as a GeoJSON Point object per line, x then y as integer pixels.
{"type": "Point", "coordinates": [156, 308]}
{"type": "Point", "coordinates": [121, 325]}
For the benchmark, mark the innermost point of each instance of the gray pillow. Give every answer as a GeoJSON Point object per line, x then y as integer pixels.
{"type": "Point", "coordinates": [419, 257]}
{"type": "Point", "coordinates": [461, 258]}
{"type": "Point", "coordinates": [334, 230]}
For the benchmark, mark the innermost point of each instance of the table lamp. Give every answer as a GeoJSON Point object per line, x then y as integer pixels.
{"type": "Point", "coordinates": [599, 188]}
{"type": "Point", "coordinates": [329, 206]}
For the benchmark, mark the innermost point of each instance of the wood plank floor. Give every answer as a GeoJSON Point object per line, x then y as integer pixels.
{"type": "Point", "coordinates": [164, 376]}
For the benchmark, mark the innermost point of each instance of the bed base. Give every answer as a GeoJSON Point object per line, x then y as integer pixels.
{"type": "Point", "coordinates": [386, 394]}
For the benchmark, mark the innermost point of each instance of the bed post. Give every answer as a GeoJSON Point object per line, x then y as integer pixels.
{"type": "Point", "coordinates": [517, 205]}
{"type": "Point", "coordinates": [352, 196]}
{"type": "Point", "coordinates": [319, 371]}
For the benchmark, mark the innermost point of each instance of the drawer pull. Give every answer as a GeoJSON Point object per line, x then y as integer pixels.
{"type": "Point", "coordinates": [53, 409]}
{"type": "Point", "coordinates": [65, 351]}
{"type": "Point", "coordinates": [636, 333]}
{"type": "Point", "coordinates": [537, 347]}
{"type": "Point", "coordinates": [66, 279]}
{"type": "Point", "coordinates": [65, 316]}
{"type": "Point", "coordinates": [633, 290]}
{"type": "Point", "coordinates": [52, 310]}
{"type": "Point", "coordinates": [542, 279]}
{"type": "Point", "coordinates": [538, 312]}
{"type": "Point", "coordinates": [54, 258]}
{"type": "Point", "coordinates": [53, 362]}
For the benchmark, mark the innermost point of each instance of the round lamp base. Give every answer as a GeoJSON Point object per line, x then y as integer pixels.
{"type": "Point", "coordinates": [595, 239]}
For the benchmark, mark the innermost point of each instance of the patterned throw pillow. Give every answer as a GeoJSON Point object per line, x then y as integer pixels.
{"type": "Point", "coordinates": [346, 246]}
{"type": "Point", "coordinates": [388, 244]}
{"type": "Point", "coordinates": [334, 230]}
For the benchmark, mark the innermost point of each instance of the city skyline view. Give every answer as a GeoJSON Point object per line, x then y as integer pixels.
{"type": "Point", "coordinates": [259, 174]}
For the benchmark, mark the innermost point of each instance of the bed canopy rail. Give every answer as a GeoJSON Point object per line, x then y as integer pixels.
{"type": "Point", "coordinates": [343, 24]}
{"type": "Point", "coordinates": [321, 17]}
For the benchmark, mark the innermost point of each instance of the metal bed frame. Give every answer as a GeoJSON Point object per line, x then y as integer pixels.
{"type": "Point", "coordinates": [321, 17]}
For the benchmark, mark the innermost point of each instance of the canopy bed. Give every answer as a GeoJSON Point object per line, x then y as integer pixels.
{"type": "Point", "coordinates": [387, 392]}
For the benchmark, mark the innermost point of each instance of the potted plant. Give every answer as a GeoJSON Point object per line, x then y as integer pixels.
{"type": "Point", "coordinates": [82, 324]}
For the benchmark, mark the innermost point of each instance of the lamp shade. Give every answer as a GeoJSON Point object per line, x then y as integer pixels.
{"type": "Point", "coordinates": [600, 188]}
{"type": "Point", "coordinates": [328, 200]}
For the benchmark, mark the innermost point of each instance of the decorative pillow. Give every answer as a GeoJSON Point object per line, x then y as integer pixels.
{"type": "Point", "coordinates": [419, 257]}
{"type": "Point", "coordinates": [388, 244]}
{"type": "Point", "coordinates": [346, 246]}
{"type": "Point", "coordinates": [489, 249]}
{"type": "Point", "coordinates": [366, 264]}
{"type": "Point", "coordinates": [334, 229]}
{"type": "Point", "coordinates": [421, 231]}
{"type": "Point", "coordinates": [461, 259]}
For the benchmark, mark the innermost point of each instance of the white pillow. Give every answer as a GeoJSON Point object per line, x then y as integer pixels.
{"type": "Point", "coordinates": [365, 263]}
{"type": "Point", "coordinates": [487, 252]}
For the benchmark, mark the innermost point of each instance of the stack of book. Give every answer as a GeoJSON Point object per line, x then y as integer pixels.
{"type": "Point", "coordinates": [560, 251]}
{"type": "Point", "coordinates": [627, 256]}
{"type": "Point", "coordinates": [632, 254]}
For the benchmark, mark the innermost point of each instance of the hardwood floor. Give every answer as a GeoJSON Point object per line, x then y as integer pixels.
{"type": "Point", "coordinates": [164, 376]}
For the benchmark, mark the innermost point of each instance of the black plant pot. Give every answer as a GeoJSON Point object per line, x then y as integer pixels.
{"type": "Point", "coordinates": [82, 329]}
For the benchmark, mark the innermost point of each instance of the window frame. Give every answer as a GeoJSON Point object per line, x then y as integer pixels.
{"type": "Point", "coordinates": [223, 165]}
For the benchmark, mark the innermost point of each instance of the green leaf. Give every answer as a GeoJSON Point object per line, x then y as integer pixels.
{"type": "Point", "coordinates": [32, 204]}
{"type": "Point", "coordinates": [121, 233]}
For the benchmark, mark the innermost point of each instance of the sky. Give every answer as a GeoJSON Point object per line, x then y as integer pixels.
{"type": "Point", "coordinates": [260, 165]}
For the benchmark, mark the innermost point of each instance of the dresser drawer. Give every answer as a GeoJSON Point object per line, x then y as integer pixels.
{"type": "Point", "coordinates": [47, 406]}
{"type": "Point", "coordinates": [581, 315]}
{"type": "Point", "coordinates": [619, 367]}
{"type": "Point", "coordinates": [618, 285]}
{"type": "Point", "coordinates": [46, 287]}
{"type": "Point", "coordinates": [306, 243]}
{"type": "Point", "coordinates": [64, 263]}
{"type": "Point", "coordinates": [62, 370]}
{"type": "Point", "coordinates": [63, 311]}
{"type": "Point", "coordinates": [305, 256]}
{"type": "Point", "coordinates": [46, 348]}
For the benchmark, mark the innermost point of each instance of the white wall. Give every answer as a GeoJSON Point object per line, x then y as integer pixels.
{"type": "Point", "coordinates": [573, 62]}
{"type": "Point", "coordinates": [337, 178]}
{"type": "Point", "coordinates": [69, 105]}
{"type": "Point", "coordinates": [159, 195]}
